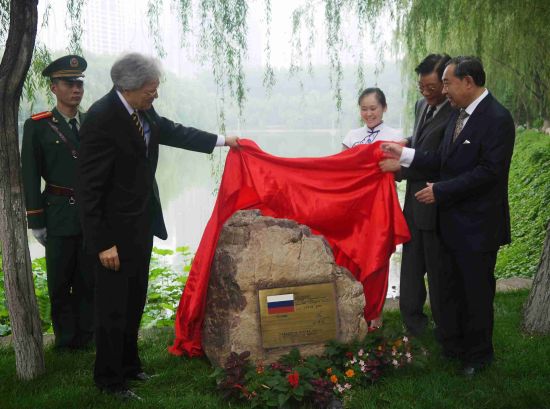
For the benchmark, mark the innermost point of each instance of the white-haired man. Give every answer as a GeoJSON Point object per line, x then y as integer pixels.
{"type": "Point", "coordinates": [121, 210]}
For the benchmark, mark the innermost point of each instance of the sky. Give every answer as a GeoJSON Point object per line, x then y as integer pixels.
{"type": "Point", "coordinates": [117, 26]}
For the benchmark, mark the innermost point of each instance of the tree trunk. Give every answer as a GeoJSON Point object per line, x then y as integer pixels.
{"type": "Point", "coordinates": [536, 316]}
{"type": "Point", "coordinates": [546, 126]}
{"type": "Point", "coordinates": [18, 281]}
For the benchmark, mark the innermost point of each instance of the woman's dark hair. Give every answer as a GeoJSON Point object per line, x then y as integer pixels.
{"type": "Point", "coordinates": [380, 97]}
{"type": "Point", "coordinates": [469, 66]}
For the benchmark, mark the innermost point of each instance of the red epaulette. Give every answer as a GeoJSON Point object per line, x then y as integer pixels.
{"type": "Point", "coordinates": [42, 115]}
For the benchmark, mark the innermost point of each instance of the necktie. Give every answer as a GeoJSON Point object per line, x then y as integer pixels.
{"type": "Point", "coordinates": [72, 123]}
{"type": "Point", "coordinates": [460, 123]}
{"type": "Point", "coordinates": [430, 113]}
{"type": "Point", "coordinates": [135, 118]}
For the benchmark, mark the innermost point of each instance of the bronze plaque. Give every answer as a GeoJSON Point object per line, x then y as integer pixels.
{"type": "Point", "coordinates": [297, 315]}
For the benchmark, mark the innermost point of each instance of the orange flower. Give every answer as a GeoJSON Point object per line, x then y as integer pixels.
{"type": "Point", "coordinates": [350, 373]}
{"type": "Point", "coordinates": [334, 379]}
{"type": "Point", "coordinates": [329, 371]}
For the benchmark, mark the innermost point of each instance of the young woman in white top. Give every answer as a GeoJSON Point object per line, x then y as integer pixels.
{"type": "Point", "coordinates": [372, 105]}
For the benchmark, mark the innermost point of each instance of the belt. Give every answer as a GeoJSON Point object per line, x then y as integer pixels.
{"type": "Point", "coordinates": [61, 191]}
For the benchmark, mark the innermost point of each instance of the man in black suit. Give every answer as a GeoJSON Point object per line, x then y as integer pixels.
{"type": "Point", "coordinates": [121, 210]}
{"type": "Point", "coordinates": [473, 213]}
{"type": "Point", "coordinates": [421, 254]}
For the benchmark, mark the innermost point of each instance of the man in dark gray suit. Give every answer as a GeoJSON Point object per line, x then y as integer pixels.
{"type": "Point", "coordinates": [473, 215]}
{"type": "Point", "coordinates": [421, 253]}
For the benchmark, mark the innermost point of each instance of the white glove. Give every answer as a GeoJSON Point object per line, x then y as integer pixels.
{"type": "Point", "coordinates": [40, 235]}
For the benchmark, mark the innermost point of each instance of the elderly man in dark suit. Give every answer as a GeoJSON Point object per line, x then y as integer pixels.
{"type": "Point", "coordinates": [121, 210]}
{"type": "Point", "coordinates": [421, 254]}
{"type": "Point", "coordinates": [473, 213]}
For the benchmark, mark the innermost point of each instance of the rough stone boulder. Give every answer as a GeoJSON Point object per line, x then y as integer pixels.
{"type": "Point", "coordinates": [256, 252]}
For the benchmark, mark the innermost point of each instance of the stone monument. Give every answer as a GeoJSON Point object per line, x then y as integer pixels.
{"type": "Point", "coordinates": [275, 286]}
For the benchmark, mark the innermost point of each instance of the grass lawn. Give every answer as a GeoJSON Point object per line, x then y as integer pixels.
{"type": "Point", "coordinates": [519, 377]}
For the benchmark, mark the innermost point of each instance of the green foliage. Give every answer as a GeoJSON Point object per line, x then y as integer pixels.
{"type": "Point", "coordinates": [74, 15]}
{"type": "Point", "coordinates": [510, 37]}
{"type": "Point", "coordinates": [35, 83]}
{"type": "Point", "coordinates": [295, 381]}
{"type": "Point", "coordinates": [529, 195]}
{"type": "Point", "coordinates": [41, 291]}
{"type": "Point", "coordinates": [167, 277]}
{"type": "Point", "coordinates": [153, 11]}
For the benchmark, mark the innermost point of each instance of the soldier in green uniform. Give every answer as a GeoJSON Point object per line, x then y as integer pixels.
{"type": "Point", "coordinates": [49, 152]}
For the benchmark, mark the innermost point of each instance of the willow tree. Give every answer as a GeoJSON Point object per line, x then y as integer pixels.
{"type": "Point", "coordinates": [18, 281]}
{"type": "Point", "coordinates": [20, 68]}
{"type": "Point", "coordinates": [511, 38]}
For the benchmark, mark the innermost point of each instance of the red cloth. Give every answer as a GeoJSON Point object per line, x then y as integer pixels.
{"type": "Point", "coordinates": [344, 197]}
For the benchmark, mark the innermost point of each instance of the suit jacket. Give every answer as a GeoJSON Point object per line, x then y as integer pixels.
{"type": "Point", "coordinates": [117, 191]}
{"type": "Point", "coordinates": [472, 194]}
{"type": "Point", "coordinates": [44, 155]}
{"type": "Point", "coordinates": [427, 136]}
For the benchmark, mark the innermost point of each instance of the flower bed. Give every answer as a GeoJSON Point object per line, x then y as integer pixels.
{"type": "Point", "coordinates": [293, 380]}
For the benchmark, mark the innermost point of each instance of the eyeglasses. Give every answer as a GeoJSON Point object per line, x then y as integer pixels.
{"type": "Point", "coordinates": [151, 93]}
{"type": "Point", "coordinates": [429, 88]}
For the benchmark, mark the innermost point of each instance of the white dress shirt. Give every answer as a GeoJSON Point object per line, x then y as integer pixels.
{"type": "Point", "coordinates": [145, 125]}
{"type": "Point", "coordinates": [407, 154]}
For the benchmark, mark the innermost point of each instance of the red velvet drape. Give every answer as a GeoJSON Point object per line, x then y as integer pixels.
{"type": "Point", "coordinates": [344, 197]}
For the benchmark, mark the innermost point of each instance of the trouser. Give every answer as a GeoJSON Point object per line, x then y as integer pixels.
{"type": "Point", "coordinates": [467, 292]}
{"type": "Point", "coordinates": [120, 300]}
{"type": "Point", "coordinates": [71, 290]}
{"type": "Point", "coordinates": [421, 255]}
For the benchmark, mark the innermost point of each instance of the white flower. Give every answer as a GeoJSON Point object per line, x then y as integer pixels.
{"type": "Point", "coordinates": [353, 361]}
{"type": "Point", "coordinates": [361, 352]}
{"type": "Point", "coordinates": [409, 360]}
{"type": "Point", "coordinates": [395, 363]}
{"type": "Point", "coordinates": [347, 386]}
{"type": "Point", "coordinates": [340, 388]}
{"type": "Point", "coordinates": [405, 339]}
{"type": "Point", "coordinates": [393, 352]}
{"type": "Point", "coordinates": [408, 355]}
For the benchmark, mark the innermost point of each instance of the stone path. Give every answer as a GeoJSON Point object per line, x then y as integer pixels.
{"type": "Point", "coordinates": [503, 285]}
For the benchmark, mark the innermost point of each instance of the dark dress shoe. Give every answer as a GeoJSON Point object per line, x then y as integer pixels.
{"type": "Point", "coordinates": [471, 369]}
{"type": "Point", "coordinates": [141, 376]}
{"type": "Point", "coordinates": [124, 394]}
{"type": "Point", "coordinates": [468, 371]}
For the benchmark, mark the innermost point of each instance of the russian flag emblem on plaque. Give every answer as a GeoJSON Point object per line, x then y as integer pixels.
{"type": "Point", "coordinates": [280, 304]}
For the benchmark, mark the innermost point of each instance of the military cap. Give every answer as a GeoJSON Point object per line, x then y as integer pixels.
{"type": "Point", "coordinates": [68, 68]}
